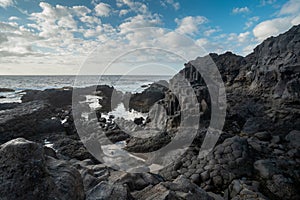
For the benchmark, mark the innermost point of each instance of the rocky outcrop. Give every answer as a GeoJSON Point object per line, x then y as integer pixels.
{"type": "Point", "coordinates": [256, 157]}
{"type": "Point", "coordinates": [143, 101]}
{"type": "Point", "coordinates": [27, 173]}
{"type": "Point", "coordinates": [56, 97]}
{"type": "Point", "coordinates": [22, 120]}
{"type": "Point", "coordinates": [6, 90]}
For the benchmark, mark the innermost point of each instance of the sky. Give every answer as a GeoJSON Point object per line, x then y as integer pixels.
{"type": "Point", "coordinates": [125, 36]}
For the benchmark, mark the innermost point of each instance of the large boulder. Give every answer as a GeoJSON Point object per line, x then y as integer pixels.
{"type": "Point", "coordinates": [26, 173]}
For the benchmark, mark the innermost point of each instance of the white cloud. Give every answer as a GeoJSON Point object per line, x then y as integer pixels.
{"type": "Point", "coordinates": [243, 37]}
{"type": "Point", "coordinates": [267, 2]}
{"type": "Point", "coordinates": [209, 32]}
{"type": "Point", "coordinates": [251, 21]}
{"type": "Point", "coordinates": [123, 12]}
{"type": "Point", "coordinates": [239, 38]}
{"type": "Point", "coordinates": [81, 10]}
{"type": "Point", "coordinates": [288, 16]}
{"type": "Point", "coordinates": [90, 20]}
{"type": "Point", "coordinates": [240, 10]}
{"type": "Point", "coordinates": [174, 4]}
{"type": "Point", "coordinates": [189, 25]}
{"type": "Point", "coordinates": [103, 10]}
{"type": "Point", "coordinates": [210, 46]}
{"type": "Point", "coordinates": [140, 21]}
{"type": "Point", "coordinates": [13, 18]}
{"type": "Point", "coordinates": [6, 3]}
{"type": "Point", "coordinates": [291, 7]}
{"type": "Point", "coordinates": [272, 27]}
{"type": "Point", "coordinates": [134, 6]}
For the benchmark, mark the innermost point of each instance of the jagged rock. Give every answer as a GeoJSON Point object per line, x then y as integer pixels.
{"type": "Point", "coordinates": [180, 188]}
{"type": "Point", "coordinates": [134, 181]}
{"type": "Point", "coordinates": [71, 148]}
{"type": "Point", "coordinates": [26, 173]}
{"type": "Point", "coordinates": [143, 101]}
{"type": "Point", "coordinates": [22, 120]}
{"type": "Point", "coordinates": [144, 145]}
{"type": "Point", "coordinates": [283, 187]}
{"type": "Point", "coordinates": [244, 190]}
{"type": "Point", "coordinates": [106, 191]}
{"type": "Point", "coordinates": [279, 178]}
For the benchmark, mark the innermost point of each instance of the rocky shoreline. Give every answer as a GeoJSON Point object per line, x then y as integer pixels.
{"type": "Point", "coordinates": [256, 157]}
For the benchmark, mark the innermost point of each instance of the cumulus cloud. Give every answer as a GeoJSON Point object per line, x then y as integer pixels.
{"type": "Point", "coordinates": [123, 12]}
{"type": "Point", "coordinates": [291, 7]}
{"type": "Point", "coordinates": [174, 4]}
{"type": "Point", "coordinates": [103, 10]}
{"type": "Point", "coordinates": [209, 32]}
{"type": "Point", "coordinates": [240, 10]}
{"type": "Point", "coordinates": [288, 16]}
{"type": "Point", "coordinates": [271, 27]}
{"type": "Point", "coordinates": [134, 6]}
{"type": "Point", "coordinates": [251, 22]}
{"type": "Point", "coordinates": [190, 24]}
{"type": "Point", "coordinates": [140, 21]}
{"type": "Point", "coordinates": [6, 3]}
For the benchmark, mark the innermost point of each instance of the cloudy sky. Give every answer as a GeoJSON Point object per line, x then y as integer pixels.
{"type": "Point", "coordinates": [60, 37]}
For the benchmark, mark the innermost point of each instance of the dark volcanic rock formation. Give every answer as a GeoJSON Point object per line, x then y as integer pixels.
{"type": "Point", "coordinates": [263, 109]}
{"type": "Point", "coordinates": [143, 101]}
{"type": "Point", "coordinates": [22, 120]}
{"type": "Point", "coordinates": [256, 157]}
{"type": "Point", "coordinates": [6, 90]}
{"type": "Point", "coordinates": [27, 173]}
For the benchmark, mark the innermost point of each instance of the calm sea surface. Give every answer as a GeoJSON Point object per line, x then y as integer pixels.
{"type": "Point", "coordinates": [122, 83]}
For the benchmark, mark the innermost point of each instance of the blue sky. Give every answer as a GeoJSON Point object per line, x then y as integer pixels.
{"type": "Point", "coordinates": [57, 37]}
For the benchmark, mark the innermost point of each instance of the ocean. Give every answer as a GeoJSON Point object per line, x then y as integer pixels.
{"type": "Point", "coordinates": [122, 83]}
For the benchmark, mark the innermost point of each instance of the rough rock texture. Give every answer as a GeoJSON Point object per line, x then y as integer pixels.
{"type": "Point", "coordinates": [26, 173]}
{"type": "Point", "coordinates": [228, 161]}
{"type": "Point", "coordinates": [244, 190]}
{"type": "Point", "coordinates": [22, 120]}
{"type": "Point", "coordinates": [143, 101]}
{"type": "Point", "coordinates": [256, 157]}
{"type": "Point", "coordinates": [181, 188]}
{"type": "Point", "coordinates": [56, 97]}
{"type": "Point", "coordinates": [106, 191]}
